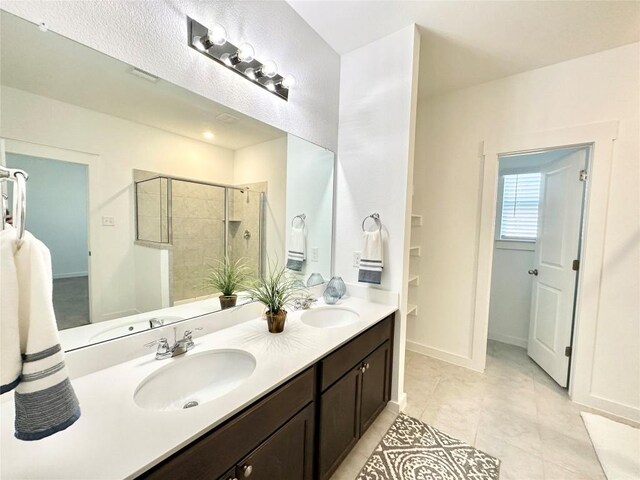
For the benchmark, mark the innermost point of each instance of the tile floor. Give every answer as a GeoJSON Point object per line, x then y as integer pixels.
{"type": "Point", "coordinates": [71, 301]}
{"type": "Point", "coordinates": [513, 411]}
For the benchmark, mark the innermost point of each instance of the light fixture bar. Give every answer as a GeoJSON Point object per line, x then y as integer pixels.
{"type": "Point", "coordinates": [229, 52]}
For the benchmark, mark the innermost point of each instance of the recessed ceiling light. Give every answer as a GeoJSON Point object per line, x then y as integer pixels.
{"type": "Point", "coordinates": [208, 135]}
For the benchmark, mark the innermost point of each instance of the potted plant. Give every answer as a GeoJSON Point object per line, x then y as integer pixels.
{"type": "Point", "coordinates": [228, 277]}
{"type": "Point", "coordinates": [274, 290]}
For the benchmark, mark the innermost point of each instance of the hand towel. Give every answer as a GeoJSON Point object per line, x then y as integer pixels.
{"type": "Point", "coordinates": [371, 260]}
{"type": "Point", "coordinates": [297, 252]}
{"type": "Point", "coordinates": [45, 402]}
{"type": "Point", "coordinates": [10, 360]}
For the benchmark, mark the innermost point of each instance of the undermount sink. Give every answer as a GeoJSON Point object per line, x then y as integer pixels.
{"type": "Point", "coordinates": [329, 317]}
{"type": "Point", "coordinates": [195, 379]}
{"type": "Point", "coordinates": [133, 327]}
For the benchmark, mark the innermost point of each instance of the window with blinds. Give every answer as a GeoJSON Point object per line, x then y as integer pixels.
{"type": "Point", "coordinates": [520, 200]}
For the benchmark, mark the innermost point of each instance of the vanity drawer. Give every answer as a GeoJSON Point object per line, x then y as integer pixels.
{"type": "Point", "coordinates": [335, 365]}
{"type": "Point", "coordinates": [216, 452]}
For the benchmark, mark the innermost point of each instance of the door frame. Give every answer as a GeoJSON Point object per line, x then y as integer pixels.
{"type": "Point", "coordinates": [89, 160]}
{"type": "Point", "coordinates": [601, 137]}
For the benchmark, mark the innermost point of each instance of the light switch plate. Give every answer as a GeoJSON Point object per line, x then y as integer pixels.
{"type": "Point", "coordinates": [314, 254]}
{"type": "Point", "coordinates": [356, 258]}
{"type": "Point", "coordinates": [108, 221]}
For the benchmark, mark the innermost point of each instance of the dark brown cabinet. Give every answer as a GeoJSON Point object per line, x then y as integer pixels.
{"type": "Point", "coordinates": [350, 405]}
{"type": "Point", "coordinates": [375, 385]}
{"type": "Point", "coordinates": [303, 429]}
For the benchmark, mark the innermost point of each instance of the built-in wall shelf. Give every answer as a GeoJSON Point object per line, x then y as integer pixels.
{"type": "Point", "coordinates": [416, 220]}
{"type": "Point", "coordinates": [414, 251]}
{"type": "Point", "coordinates": [412, 310]}
{"type": "Point", "coordinates": [414, 280]}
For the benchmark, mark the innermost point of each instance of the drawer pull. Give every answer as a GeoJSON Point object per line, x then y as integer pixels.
{"type": "Point", "coordinates": [247, 470]}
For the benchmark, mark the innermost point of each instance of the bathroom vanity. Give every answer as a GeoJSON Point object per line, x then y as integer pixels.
{"type": "Point", "coordinates": [305, 428]}
{"type": "Point", "coordinates": [310, 394]}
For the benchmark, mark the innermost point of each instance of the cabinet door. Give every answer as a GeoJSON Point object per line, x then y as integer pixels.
{"type": "Point", "coordinates": [339, 422]}
{"type": "Point", "coordinates": [285, 455]}
{"type": "Point", "coordinates": [375, 385]}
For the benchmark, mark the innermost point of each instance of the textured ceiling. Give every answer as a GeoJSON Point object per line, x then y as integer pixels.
{"type": "Point", "coordinates": [465, 43]}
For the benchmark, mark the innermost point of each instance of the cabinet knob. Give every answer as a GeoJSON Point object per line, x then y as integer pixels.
{"type": "Point", "coordinates": [363, 368]}
{"type": "Point", "coordinates": [366, 366]}
{"type": "Point", "coordinates": [247, 470]}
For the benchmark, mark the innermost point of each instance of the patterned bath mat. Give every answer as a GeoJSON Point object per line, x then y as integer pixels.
{"type": "Point", "coordinates": [412, 450]}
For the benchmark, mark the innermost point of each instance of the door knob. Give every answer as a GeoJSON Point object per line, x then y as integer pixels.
{"type": "Point", "coordinates": [247, 470]}
{"type": "Point", "coordinates": [533, 272]}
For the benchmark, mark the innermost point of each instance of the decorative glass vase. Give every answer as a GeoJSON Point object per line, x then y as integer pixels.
{"type": "Point", "coordinates": [315, 279]}
{"type": "Point", "coordinates": [339, 285]}
{"type": "Point", "coordinates": [331, 295]}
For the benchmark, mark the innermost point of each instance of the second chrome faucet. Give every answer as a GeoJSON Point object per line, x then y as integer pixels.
{"type": "Point", "coordinates": [179, 347]}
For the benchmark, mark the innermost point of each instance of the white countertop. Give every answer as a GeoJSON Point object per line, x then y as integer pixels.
{"type": "Point", "coordinates": [115, 439]}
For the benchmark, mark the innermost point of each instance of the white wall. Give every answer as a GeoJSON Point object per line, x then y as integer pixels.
{"type": "Point", "coordinates": [153, 37]}
{"type": "Point", "coordinates": [267, 162]}
{"type": "Point", "coordinates": [378, 92]}
{"type": "Point", "coordinates": [118, 146]}
{"type": "Point", "coordinates": [58, 211]}
{"type": "Point", "coordinates": [448, 169]}
{"type": "Point", "coordinates": [310, 191]}
{"type": "Point", "coordinates": [510, 306]}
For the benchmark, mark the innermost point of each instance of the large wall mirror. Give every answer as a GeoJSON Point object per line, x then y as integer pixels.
{"type": "Point", "coordinates": [139, 187]}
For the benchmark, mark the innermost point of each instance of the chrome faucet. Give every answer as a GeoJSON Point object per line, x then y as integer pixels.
{"type": "Point", "coordinates": [179, 346]}
{"type": "Point", "coordinates": [304, 303]}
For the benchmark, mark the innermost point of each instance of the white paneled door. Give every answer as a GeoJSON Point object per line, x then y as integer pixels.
{"type": "Point", "coordinates": [557, 246]}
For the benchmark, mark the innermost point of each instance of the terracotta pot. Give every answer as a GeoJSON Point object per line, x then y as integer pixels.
{"type": "Point", "coordinates": [228, 301]}
{"type": "Point", "coordinates": [275, 321]}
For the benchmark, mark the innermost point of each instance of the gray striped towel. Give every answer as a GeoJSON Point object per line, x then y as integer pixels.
{"type": "Point", "coordinates": [370, 270]}
{"type": "Point", "coordinates": [45, 402]}
{"type": "Point", "coordinates": [297, 252]}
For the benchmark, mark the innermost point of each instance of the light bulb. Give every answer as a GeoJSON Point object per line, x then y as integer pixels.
{"type": "Point", "coordinates": [226, 59]}
{"type": "Point", "coordinates": [217, 35]}
{"type": "Point", "coordinates": [288, 81]}
{"type": "Point", "coordinates": [270, 86]}
{"type": "Point", "coordinates": [208, 135]}
{"type": "Point", "coordinates": [245, 52]}
{"type": "Point", "coordinates": [269, 68]}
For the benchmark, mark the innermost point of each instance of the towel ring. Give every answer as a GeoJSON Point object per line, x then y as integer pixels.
{"type": "Point", "coordinates": [19, 198]}
{"type": "Point", "coordinates": [376, 218]}
{"type": "Point", "coordinates": [302, 217]}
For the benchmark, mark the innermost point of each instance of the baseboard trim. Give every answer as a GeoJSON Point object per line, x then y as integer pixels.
{"type": "Point", "coordinates": [70, 275]}
{"type": "Point", "coordinates": [399, 406]}
{"type": "Point", "coordinates": [509, 339]}
{"type": "Point", "coordinates": [622, 411]}
{"type": "Point", "coordinates": [453, 358]}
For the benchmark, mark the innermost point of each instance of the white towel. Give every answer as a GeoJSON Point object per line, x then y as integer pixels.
{"type": "Point", "coordinates": [297, 252]}
{"type": "Point", "coordinates": [44, 400]}
{"type": "Point", "coordinates": [371, 260]}
{"type": "Point", "coordinates": [10, 360]}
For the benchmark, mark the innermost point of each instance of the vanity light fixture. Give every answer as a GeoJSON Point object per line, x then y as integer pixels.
{"type": "Point", "coordinates": [241, 59]}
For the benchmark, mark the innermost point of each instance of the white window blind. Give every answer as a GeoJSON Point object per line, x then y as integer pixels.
{"type": "Point", "coordinates": [520, 199]}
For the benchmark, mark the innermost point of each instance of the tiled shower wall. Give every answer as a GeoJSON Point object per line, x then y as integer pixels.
{"type": "Point", "coordinates": [244, 226]}
{"type": "Point", "coordinates": [152, 210]}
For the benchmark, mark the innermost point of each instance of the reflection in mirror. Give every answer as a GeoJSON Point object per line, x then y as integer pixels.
{"type": "Point", "coordinates": [139, 187]}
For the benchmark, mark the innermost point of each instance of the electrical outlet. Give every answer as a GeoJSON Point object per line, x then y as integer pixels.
{"type": "Point", "coordinates": [314, 254]}
{"type": "Point", "coordinates": [108, 221]}
{"type": "Point", "coordinates": [356, 258]}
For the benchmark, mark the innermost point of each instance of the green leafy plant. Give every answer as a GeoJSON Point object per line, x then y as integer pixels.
{"type": "Point", "coordinates": [275, 289]}
{"type": "Point", "coordinates": [228, 277]}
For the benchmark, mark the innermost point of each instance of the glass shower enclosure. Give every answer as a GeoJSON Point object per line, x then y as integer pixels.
{"type": "Point", "coordinates": [199, 223]}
